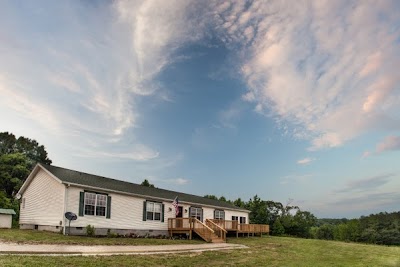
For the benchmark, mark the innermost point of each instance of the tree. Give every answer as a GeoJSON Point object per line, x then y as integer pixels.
{"type": "Point", "coordinates": [211, 197]}
{"type": "Point", "coordinates": [258, 210]}
{"type": "Point", "coordinates": [30, 148]}
{"type": "Point", "coordinates": [147, 183]}
{"type": "Point", "coordinates": [277, 228]}
{"type": "Point", "coordinates": [17, 159]}
{"type": "Point", "coordinates": [14, 168]}
{"type": "Point", "coordinates": [239, 203]}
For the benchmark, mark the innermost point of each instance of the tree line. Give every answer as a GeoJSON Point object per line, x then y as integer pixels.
{"type": "Point", "coordinates": [382, 228]}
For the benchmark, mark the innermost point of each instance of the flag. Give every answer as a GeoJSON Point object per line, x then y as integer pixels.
{"type": "Point", "coordinates": [175, 203]}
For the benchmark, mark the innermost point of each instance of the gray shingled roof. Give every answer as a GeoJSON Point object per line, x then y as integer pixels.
{"type": "Point", "coordinates": [85, 179]}
{"type": "Point", "coordinates": [7, 211]}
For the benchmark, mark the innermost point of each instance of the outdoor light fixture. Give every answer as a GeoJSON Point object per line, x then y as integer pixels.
{"type": "Point", "coordinates": [185, 210]}
{"type": "Point", "coordinates": [170, 209]}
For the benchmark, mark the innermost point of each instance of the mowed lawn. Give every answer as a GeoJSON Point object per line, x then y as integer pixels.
{"type": "Point", "coordinates": [263, 251]}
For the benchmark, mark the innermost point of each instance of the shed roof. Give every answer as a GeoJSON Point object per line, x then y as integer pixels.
{"type": "Point", "coordinates": [7, 211]}
{"type": "Point", "coordinates": [90, 180]}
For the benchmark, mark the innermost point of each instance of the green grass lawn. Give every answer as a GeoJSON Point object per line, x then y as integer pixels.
{"type": "Point", "coordinates": [264, 251]}
{"type": "Point", "coordinates": [42, 237]}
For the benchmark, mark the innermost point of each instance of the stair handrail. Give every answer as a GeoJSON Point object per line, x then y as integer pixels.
{"type": "Point", "coordinates": [216, 225]}
{"type": "Point", "coordinates": [201, 223]}
{"type": "Point", "coordinates": [221, 232]}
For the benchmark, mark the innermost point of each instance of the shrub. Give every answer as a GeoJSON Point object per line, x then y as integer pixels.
{"type": "Point", "coordinates": [90, 230]}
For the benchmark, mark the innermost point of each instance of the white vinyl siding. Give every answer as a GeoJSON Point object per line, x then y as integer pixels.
{"type": "Point", "coordinates": [5, 220]}
{"type": "Point", "coordinates": [43, 201]}
{"type": "Point", "coordinates": [126, 213]}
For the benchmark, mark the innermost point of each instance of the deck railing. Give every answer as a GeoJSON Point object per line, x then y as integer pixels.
{"type": "Point", "coordinates": [243, 227]}
{"type": "Point", "coordinates": [218, 230]}
{"type": "Point", "coordinates": [228, 225]}
{"type": "Point", "coordinates": [191, 224]}
{"type": "Point", "coordinates": [179, 223]}
{"type": "Point", "coordinates": [214, 227]}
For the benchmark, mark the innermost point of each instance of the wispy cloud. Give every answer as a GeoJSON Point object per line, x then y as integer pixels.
{"type": "Point", "coordinates": [168, 181]}
{"type": "Point", "coordinates": [305, 161]}
{"type": "Point", "coordinates": [85, 80]}
{"type": "Point", "coordinates": [359, 197]}
{"type": "Point", "coordinates": [390, 143]}
{"type": "Point", "coordinates": [366, 184]}
{"type": "Point", "coordinates": [312, 65]}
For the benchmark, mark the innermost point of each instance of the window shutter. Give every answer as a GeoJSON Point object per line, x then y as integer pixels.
{"type": "Point", "coordinates": [201, 215]}
{"type": "Point", "coordinates": [223, 215]}
{"type": "Point", "coordinates": [162, 213]}
{"type": "Point", "coordinates": [81, 203]}
{"type": "Point", "coordinates": [190, 212]}
{"type": "Point", "coordinates": [144, 210]}
{"type": "Point", "coordinates": [215, 212]}
{"type": "Point", "coordinates": [108, 216]}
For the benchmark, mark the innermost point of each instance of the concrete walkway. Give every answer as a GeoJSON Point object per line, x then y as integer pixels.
{"type": "Point", "coordinates": [78, 250]}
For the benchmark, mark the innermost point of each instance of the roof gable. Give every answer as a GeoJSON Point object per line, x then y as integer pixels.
{"type": "Point", "coordinates": [89, 180]}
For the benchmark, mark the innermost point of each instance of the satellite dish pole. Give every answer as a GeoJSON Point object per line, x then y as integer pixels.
{"type": "Point", "coordinates": [70, 217]}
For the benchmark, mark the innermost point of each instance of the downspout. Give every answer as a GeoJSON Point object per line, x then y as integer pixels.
{"type": "Point", "coordinates": [65, 206]}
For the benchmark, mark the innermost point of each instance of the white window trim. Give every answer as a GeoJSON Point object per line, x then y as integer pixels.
{"type": "Point", "coordinates": [221, 214]}
{"type": "Point", "coordinates": [198, 212]}
{"type": "Point", "coordinates": [153, 211]}
{"type": "Point", "coordinates": [95, 204]}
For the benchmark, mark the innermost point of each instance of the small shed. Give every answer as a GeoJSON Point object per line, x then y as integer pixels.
{"type": "Point", "coordinates": [6, 218]}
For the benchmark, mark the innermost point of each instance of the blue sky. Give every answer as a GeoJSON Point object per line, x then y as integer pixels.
{"type": "Point", "coordinates": [287, 100]}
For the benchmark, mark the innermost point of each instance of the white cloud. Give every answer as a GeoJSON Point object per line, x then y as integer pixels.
{"type": "Point", "coordinates": [305, 161]}
{"type": "Point", "coordinates": [326, 67]}
{"type": "Point", "coordinates": [81, 78]}
{"type": "Point", "coordinates": [170, 181]}
{"type": "Point", "coordinates": [389, 143]}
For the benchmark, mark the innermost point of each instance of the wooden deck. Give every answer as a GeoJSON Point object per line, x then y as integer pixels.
{"type": "Point", "coordinates": [213, 230]}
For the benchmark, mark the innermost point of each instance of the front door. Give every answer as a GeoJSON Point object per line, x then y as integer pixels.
{"type": "Point", "coordinates": [179, 222]}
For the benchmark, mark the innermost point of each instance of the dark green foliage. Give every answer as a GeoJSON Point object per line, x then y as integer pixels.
{"type": "Point", "coordinates": [382, 228]}
{"type": "Point", "coordinates": [17, 159]}
{"type": "Point", "coordinates": [90, 231]}
{"type": "Point", "coordinates": [239, 203]}
{"type": "Point", "coordinates": [277, 228]}
{"type": "Point", "coordinates": [14, 168]}
{"type": "Point", "coordinates": [147, 183]}
{"type": "Point", "coordinates": [325, 231]}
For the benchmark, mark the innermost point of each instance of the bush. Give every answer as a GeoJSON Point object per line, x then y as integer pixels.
{"type": "Point", "coordinates": [325, 231]}
{"type": "Point", "coordinates": [90, 230]}
{"type": "Point", "coordinates": [277, 228]}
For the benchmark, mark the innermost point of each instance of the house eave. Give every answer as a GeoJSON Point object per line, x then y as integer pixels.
{"type": "Point", "coordinates": [148, 197]}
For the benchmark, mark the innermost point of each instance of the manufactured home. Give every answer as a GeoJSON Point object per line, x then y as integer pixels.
{"type": "Point", "coordinates": [122, 207]}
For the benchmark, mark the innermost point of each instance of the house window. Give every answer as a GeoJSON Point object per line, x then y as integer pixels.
{"type": "Point", "coordinates": [153, 211]}
{"type": "Point", "coordinates": [196, 213]}
{"type": "Point", "coordinates": [243, 220]}
{"type": "Point", "coordinates": [219, 215]}
{"type": "Point", "coordinates": [235, 218]}
{"type": "Point", "coordinates": [95, 204]}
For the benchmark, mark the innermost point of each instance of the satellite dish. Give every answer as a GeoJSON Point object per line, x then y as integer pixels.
{"type": "Point", "coordinates": [18, 196]}
{"type": "Point", "coordinates": [70, 217]}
